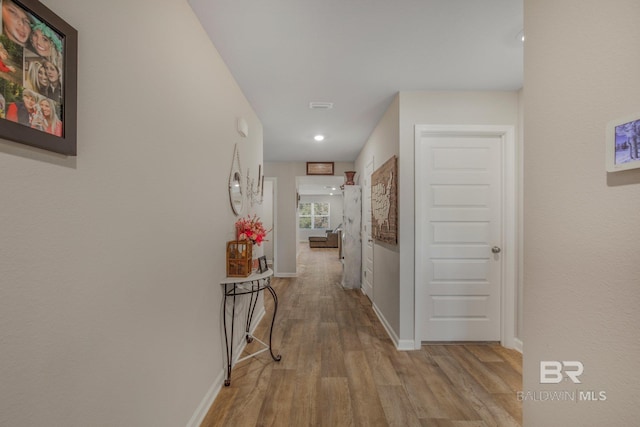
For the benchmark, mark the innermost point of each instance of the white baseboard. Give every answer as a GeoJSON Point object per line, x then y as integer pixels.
{"type": "Point", "coordinates": [286, 274]}
{"type": "Point", "coordinates": [406, 345]}
{"type": "Point", "coordinates": [214, 390]}
{"type": "Point", "coordinates": [384, 322]}
{"type": "Point", "coordinates": [351, 288]}
{"type": "Point", "coordinates": [207, 401]}
{"type": "Point", "coordinates": [513, 343]}
{"type": "Point", "coordinates": [402, 345]}
{"type": "Point", "coordinates": [519, 345]}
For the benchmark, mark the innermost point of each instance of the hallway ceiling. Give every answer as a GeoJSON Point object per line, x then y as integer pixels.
{"type": "Point", "coordinates": [356, 54]}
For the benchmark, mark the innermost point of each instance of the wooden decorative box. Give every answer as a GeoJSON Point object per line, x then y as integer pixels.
{"type": "Point", "coordinates": [239, 258]}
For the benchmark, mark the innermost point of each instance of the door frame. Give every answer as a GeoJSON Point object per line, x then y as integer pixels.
{"type": "Point", "coordinates": [274, 216]}
{"type": "Point", "coordinates": [509, 244]}
{"type": "Point", "coordinates": [367, 237]}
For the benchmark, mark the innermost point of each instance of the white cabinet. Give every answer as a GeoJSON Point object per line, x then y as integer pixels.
{"type": "Point", "coordinates": [351, 245]}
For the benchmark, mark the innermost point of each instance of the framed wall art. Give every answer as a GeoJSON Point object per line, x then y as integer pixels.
{"type": "Point", "coordinates": [38, 77]}
{"type": "Point", "coordinates": [623, 143]}
{"type": "Point", "coordinates": [384, 202]}
{"type": "Point", "coordinates": [319, 168]}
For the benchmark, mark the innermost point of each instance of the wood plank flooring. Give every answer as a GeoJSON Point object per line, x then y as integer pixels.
{"type": "Point", "coordinates": [340, 368]}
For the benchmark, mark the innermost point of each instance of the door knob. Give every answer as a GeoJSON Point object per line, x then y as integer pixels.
{"type": "Point", "coordinates": [496, 250]}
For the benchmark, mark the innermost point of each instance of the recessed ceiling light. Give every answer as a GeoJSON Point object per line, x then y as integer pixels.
{"type": "Point", "coordinates": [321, 105]}
{"type": "Point", "coordinates": [319, 138]}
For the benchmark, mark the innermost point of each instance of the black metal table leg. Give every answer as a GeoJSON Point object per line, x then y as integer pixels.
{"type": "Point", "coordinates": [226, 338]}
{"type": "Point", "coordinates": [234, 289]}
{"type": "Point", "coordinates": [273, 320]}
{"type": "Point", "coordinates": [229, 348]}
{"type": "Point", "coordinates": [253, 301]}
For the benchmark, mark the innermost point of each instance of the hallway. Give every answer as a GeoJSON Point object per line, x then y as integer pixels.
{"type": "Point", "coordinates": [339, 367]}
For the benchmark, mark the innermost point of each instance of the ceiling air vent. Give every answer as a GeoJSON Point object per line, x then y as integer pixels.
{"type": "Point", "coordinates": [321, 105]}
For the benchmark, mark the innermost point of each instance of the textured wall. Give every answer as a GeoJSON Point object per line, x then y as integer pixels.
{"type": "Point", "coordinates": [581, 231]}
{"type": "Point", "coordinates": [110, 261]}
{"type": "Point", "coordinates": [394, 286]}
{"type": "Point", "coordinates": [382, 145]}
{"type": "Point", "coordinates": [459, 108]}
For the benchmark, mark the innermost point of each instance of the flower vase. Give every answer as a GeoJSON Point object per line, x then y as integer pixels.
{"type": "Point", "coordinates": [350, 175]}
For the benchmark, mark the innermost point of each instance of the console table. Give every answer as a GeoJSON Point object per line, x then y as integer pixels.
{"type": "Point", "coordinates": [252, 285]}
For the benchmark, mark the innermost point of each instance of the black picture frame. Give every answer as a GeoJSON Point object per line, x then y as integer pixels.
{"type": "Point", "coordinates": [262, 264]}
{"type": "Point", "coordinates": [67, 64]}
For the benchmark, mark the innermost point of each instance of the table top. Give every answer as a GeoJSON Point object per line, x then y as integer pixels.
{"type": "Point", "coordinates": [251, 278]}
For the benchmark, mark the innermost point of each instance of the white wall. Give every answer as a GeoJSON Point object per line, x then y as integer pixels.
{"type": "Point", "coordinates": [110, 261]}
{"type": "Point", "coordinates": [267, 217]}
{"type": "Point", "coordinates": [520, 228]}
{"type": "Point", "coordinates": [479, 108]}
{"type": "Point", "coordinates": [285, 252]}
{"type": "Point", "coordinates": [381, 146]}
{"type": "Point", "coordinates": [582, 228]}
{"type": "Point", "coordinates": [394, 295]}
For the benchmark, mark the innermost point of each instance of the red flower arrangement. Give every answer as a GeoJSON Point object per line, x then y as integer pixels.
{"type": "Point", "coordinates": [251, 228]}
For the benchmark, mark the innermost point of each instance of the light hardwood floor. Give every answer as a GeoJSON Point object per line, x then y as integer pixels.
{"type": "Point", "coordinates": [340, 368]}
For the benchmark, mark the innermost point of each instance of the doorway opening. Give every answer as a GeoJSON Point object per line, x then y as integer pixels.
{"type": "Point", "coordinates": [319, 215]}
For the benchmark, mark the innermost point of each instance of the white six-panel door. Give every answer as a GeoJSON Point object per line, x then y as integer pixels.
{"type": "Point", "coordinates": [460, 195]}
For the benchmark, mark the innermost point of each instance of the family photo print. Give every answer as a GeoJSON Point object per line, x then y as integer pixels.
{"type": "Point", "coordinates": [38, 77]}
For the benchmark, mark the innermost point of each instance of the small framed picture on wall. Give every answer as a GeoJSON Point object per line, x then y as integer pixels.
{"type": "Point", "coordinates": [623, 143]}
{"type": "Point", "coordinates": [320, 168]}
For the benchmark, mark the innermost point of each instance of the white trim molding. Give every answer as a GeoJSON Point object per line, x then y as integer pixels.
{"type": "Point", "coordinates": [402, 345]}
{"type": "Point", "coordinates": [285, 275]}
{"type": "Point", "coordinates": [207, 401]}
{"type": "Point", "coordinates": [510, 222]}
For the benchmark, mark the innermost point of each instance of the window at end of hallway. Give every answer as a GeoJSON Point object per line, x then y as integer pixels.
{"type": "Point", "coordinates": [313, 215]}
